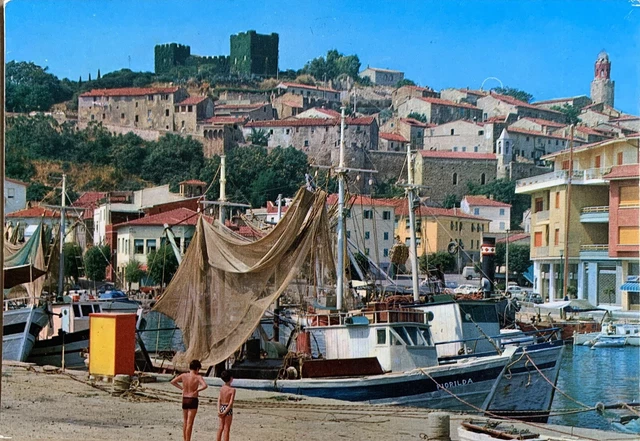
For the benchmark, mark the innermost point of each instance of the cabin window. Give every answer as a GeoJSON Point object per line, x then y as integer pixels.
{"type": "Point", "coordinates": [76, 310]}
{"type": "Point", "coordinates": [413, 335]}
{"type": "Point", "coordinates": [138, 246]}
{"type": "Point", "coordinates": [96, 308]}
{"type": "Point", "coordinates": [86, 310]}
{"type": "Point", "coordinates": [382, 336]}
{"type": "Point", "coordinates": [402, 333]}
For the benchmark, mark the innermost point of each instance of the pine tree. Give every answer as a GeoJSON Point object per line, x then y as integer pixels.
{"type": "Point", "coordinates": [98, 74]}
{"type": "Point", "coordinates": [80, 81]}
{"type": "Point", "coordinates": [89, 77]}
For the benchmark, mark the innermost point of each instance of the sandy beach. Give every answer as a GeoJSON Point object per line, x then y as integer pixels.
{"type": "Point", "coordinates": [39, 405]}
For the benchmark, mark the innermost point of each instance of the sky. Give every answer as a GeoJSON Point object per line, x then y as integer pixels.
{"type": "Point", "coordinates": [547, 48]}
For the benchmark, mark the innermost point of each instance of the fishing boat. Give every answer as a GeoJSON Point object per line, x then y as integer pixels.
{"type": "Point", "coordinates": [612, 335]}
{"type": "Point", "coordinates": [20, 328]}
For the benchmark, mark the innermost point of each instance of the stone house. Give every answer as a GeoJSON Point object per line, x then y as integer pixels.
{"type": "Point", "coordinates": [392, 142]}
{"type": "Point", "coordinates": [439, 111]}
{"type": "Point", "coordinates": [15, 195]}
{"type": "Point", "coordinates": [221, 133]}
{"type": "Point", "coordinates": [319, 112]}
{"type": "Point", "coordinates": [252, 111]}
{"type": "Point", "coordinates": [191, 110]}
{"type": "Point", "coordinates": [460, 136]}
{"type": "Point", "coordinates": [447, 173]}
{"type": "Point", "coordinates": [498, 213]}
{"type": "Point", "coordinates": [319, 138]}
{"type": "Point", "coordinates": [436, 228]}
{"type": "Point", "coordinates": [502, 105]}
{"type": "Point", "coordinates": [462, 95]}
{"type": "Point", "coordinates": [593, 118]}
{"type": "Point", "coordinates": [575, 101]}
{"type": "Point", "coordinates": [288, 105]}
{"type": "Point", "coordinates": [316, 92]}
{"type": "Point", "coordinates": [402, 94]}
{"type": "Point", "coordinates": [410, 129]}
{"type": "Point", "coordinates": [538, 125]}
{"type": "Point", "coordinates": [629, 122]}
{"type": "Point", "coordinates": [589, 135]}
{"type": "Point", "coordinates": [132, 107]}
{"type": "Point", "coordinates": [532, 145]}
{"type": "Point", "coordinates": [382, 77]}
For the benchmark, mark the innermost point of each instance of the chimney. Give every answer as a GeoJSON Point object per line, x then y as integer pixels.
{"type": "Point", "coordinates": [491, 197]}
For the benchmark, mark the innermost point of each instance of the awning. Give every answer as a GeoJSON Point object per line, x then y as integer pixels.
{"type": "Point", "coordinates": [631, 287]}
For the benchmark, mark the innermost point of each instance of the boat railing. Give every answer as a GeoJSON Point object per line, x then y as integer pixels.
{"type": "Point", "coordinates": [509, 338]}
{"type": "Point", "coordinates": [18, 303]}
{"type": "Point", "coordinates": [369, 316]}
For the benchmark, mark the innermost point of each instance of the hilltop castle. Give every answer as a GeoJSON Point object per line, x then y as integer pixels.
{"type": "Point", "coordinates": [602, 87]}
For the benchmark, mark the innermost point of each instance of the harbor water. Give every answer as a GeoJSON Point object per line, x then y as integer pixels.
{"type": "Point", "coordinates": [603, 375]}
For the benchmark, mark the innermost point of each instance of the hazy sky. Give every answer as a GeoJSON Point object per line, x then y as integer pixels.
{"type": "Point", "coordinates": [547, 48]}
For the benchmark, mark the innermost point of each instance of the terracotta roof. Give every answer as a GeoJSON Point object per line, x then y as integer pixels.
{"type": "Point", "coordinates": [273, 208]}
{"type": "Point", "coordinates": [624, 172]}
{"type": "Point", "coordinates": [193, 182]}
{"type": "Point", "coordinates": [590, 131]}
{"type": "Point", "coordinates": [625, 118]}
{"type": "Point", "coordinates": [516, 102]}
{"type": "Point", "coordinates": [366, 201]}
{"type": "Point", "coordinates": [593, 145]}
{"type": "Point", "coordinates": [329, 112]}
{"type": "Point", "coordinates": [382, 70]}
{"type": "Point", "coordinates": [310, 122]}
{"type": "Point", "coordinates": [182, 216]}
{"type": "Point", "coordinates": [414, 122]}
{"type": "Point", "coordinates": [225, 120]}
{"type": "Point", "coordinates": [496, 119]}
{"type": "Point", "coordinates": [514, 237]}
{"type": "Point", "coordinates": [557, 100]}
{"type": "Point", "coordinates": [393, 137]}
{"type": "Point", "coordinates": [15, 181]}
{"type": "Point", "coordinates": [474, 92]}
{"type": "Point", "coordinates": [35, 212]}
{"type": "Point", "coordinates": [442, 102]}
{"type": "Point", "coordinates": [191, 101]}
{"type": "Point", "coordinates": [89, 199]}
{"type": "Point", "coordinates": [252, 106]}
{"type": "Point", "coordinates": [484, 201]}
{"type": "Point", "coordinates": [455, 155]}
{"type": "Point", "coordinates": [544, 122]}
{"type": "Point", "coordinates": [536, 133]}
{"type": "Point", "coordinates": [247, 231]}
{"type": "Point", "coordinates": [403, 210]}
{"type": "Point", "coordinates": [305, 86]}
{"type": "Point", "coordinates": [130, 91]}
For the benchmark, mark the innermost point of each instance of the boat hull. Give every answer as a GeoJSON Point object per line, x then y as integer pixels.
{"type": "Point", "coordinates": [522, 392]}
{"type": "Point", "coordinates": [20, 328]}
{"type": "Point", "coordinates": [50, 351]}
{"type": "Point", "coordinates": [435, 387]}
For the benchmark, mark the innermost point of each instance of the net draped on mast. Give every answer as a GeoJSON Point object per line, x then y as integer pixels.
{"type": "Point", "coordinates": [224, 285]}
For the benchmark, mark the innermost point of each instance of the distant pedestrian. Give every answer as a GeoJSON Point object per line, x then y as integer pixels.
{"type": "Point", "coordinates": [191, 384]}
{"type": "Point", "coordinates": [225, 406]}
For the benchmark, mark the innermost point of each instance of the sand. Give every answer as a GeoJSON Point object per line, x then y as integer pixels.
{"type": "Point", "coordinates": [37, 405]}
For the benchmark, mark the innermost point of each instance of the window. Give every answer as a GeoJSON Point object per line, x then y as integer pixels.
{"type": "Point", "coordinates": [565, 165]}
{"type": "Point", "coordinates": [557, 199]}
{"type": "Point", "coordinates": [104, 116]}
{"type": "Point", "coordinates": [629, 196]}
{"type": "Point", "coordinates": [150, 97]}
{"type": "Point", "coordinates": [306, 143]}
{"type": "Point", "coordinates": [182, 124]}
{"type": "Point", "coordinates": [166, 112]}
{"type": "Point", "coordinates": [385, 252]}
{"type": "Point", "coordinates": [148, 113]}
{"type": "Point", "coordinates": [451, 228]}
{"type": "Point", "coordinates": [537, 239]}
{"type": "Point", "coordinates": [93, 117]}
{"type": "Point", "coordinates": [556, 236]}
{"type": "Point", "coordinates": [386, 215]}
{"type": "Point", "coordinates": [480, 132]}
{"type": "Point", "coordinates": [483, 178]}
{"type": "Point", "coordinates": [367, 235]}
{"type": "Point", "coordinates": [348, 234]}
{"type": "Point", "coordinates": [287, 131]}
{"type": "Point", "coordinates": [597, 162]}
{"type": "Point", "coordinates": [452, 131]}
{"type": "Point", "coordinates": [381, 335]}
{"type": "Point", "coordinates": [136, 118]}
{"type": "Point", "coordinates": [527, 139]}
{"type": "Point", "coordinates": [502, 212]}
{"type": "Point", "coordinates": [619, 158]}
{"type": "Point", "coordinates": [366, 251]}
{"type": "Point", "coordinates": [475, 149]}
{"type": "Point", "coordinates": [473, 228]}
{"type": "Point", "coordinates": [455, 149]}
{"type": "Point", "coordinates": [539, 205]}
{"type": "Point", "coordinates": [122, 116]}
{"type": "Point", "coordinates": [11, 193]}
{"type": "Point", "coordinates": [151, 245]}
{"type": "Point", "coordinates": [556, 142]}
{"type": "Point", "coordinates": [367, 214]}
{"type": "Point", "coordinates": [138, 246]}
{"type": "Point", "coordinates": [476, 212]}
{"type": "Point", "coordinates": [454, 179]}
{"type": "Point", "coordinates": [385, 235]}
{"type": "Point", "coordinates": [629, 235]}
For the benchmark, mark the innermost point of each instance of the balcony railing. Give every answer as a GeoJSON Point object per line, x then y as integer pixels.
{"type": "Point", "coordinates": [577, 177]}
{"type": "Point", "coordinates": [540, 252]}
{"type": "Point", "coordinates": [595, 247]}
{"type": "Point", "coordinates": [541, 216]}
{"type": "Point", "coordinates": [600, 209]}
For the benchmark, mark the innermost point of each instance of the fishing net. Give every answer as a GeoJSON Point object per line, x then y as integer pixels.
{"type": "Point", "coordinates": [224, 285]}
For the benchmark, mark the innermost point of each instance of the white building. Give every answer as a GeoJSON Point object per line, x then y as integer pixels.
{"type": "Point", "coordinates": [499, 213]}
{"type": "Point", "coordinates": [382, 77]}
{"type": "Point", "coordinates": [15, 195]}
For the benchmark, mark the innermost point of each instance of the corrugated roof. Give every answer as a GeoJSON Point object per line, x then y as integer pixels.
{"type": "Point", "coordinates": [130, 91]}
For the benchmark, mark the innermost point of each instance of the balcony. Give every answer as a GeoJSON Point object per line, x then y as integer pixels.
{"type": "Point", "coordinates": [594, 251]}
{"type": "Point", "coordinates": [537, 252]}
{"type": "Point", "coordinates": [595, 215]}
{"type": "Point", "coordinates": [591, 176]}
{"type": "Point", "coordinates": [541, 217]}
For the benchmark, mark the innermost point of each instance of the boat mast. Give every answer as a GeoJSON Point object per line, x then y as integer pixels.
{"type": "Point", "coordinates": [413, 251]}
{"type": "Point", "coordinates": [61, 269]}
{"type": "Point", "coordinates": [565, 279]}
{"type": "Point", "coordinates": [223, 187]}
{"type": "Point", "coordinates": [340, 229]}
{"type": "Point", "coordinates": [2, 129]}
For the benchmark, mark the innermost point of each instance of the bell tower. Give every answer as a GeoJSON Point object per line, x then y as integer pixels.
{"type": "Point", "coordinates": [602, 87]}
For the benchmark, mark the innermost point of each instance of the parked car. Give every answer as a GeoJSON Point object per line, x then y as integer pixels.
{"type": "Point", "coordinates": [515, 291]}
{"type": "Point", "coordinates": [533, 297]}
{"type": "Point", "coordinates": [466, 289]}
{"type": "Point", "coordinates": [469, 272]}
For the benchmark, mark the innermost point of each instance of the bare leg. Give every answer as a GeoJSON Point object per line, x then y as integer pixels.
{"type": "Point", "coordinates": [220, 428]}
{"type": "Point", "coordinates": [184, 424]}
{"type": "Point", "coordinates": [227, 427]}
{"type": "Point", "coordinates": [191, 416]}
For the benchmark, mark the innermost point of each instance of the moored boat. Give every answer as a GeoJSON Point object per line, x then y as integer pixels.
{"type": "Point", "coordinates": [20, 329]}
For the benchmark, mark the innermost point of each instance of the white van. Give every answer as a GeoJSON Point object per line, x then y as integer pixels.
{"type": "Point", "coordinates": [469, 272]}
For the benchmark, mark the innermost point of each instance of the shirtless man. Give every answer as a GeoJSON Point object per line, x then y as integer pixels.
{"type": "Point", "coordinates": [191, 384]}
{"type": "Point", "coordinates": [225, 407]}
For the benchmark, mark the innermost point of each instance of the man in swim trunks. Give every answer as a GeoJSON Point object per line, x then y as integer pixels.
{"type": "Point", "coordinates": [191, 384]}
{"type": "Point", "coordinates": [225, 407]}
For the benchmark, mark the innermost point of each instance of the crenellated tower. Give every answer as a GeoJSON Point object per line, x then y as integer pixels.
{"type": "Point", "coordinates": [602, 88]}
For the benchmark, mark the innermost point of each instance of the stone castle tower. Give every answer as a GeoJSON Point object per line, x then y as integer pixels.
{"type": "Point", "coordinates": [602, 86]}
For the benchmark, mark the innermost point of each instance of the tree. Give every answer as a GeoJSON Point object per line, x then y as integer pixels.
{"type": "Point", "coordinates": [516, 93]}
{"type": "Point", "coordinates": [571, 113]}
{"type": "Point", "coordinates": [388, 189]}
{"type": "Point", "coordinates": [30, 87]}
{"type": "Point", "coordinates": [519, 257]}
{"type": "Point", "coordinates": [172, 159]}
{"type": "Point", "coordinates": [451, 200]}
{"type": "Point", "coordinates": [96, 261]}
{"type": "Point", "coordinates": [162, 265]}
{"type": "Point", "coordinates": [72, 254]}
{"type": "Point", "coordinates": [405, 82]}
{"type": "Point", "coordinates": [333, 65]}
{"type": "Point", "coordinates": [418, 116]}
{"type": "Point", "coordinates": [443, 258]}
{"type": "Point", "coordinates": [128, 152]}
{"type": "Point", "coordinates": [258, 137]}
{"type": "Point", "coordinates": [133, 272]}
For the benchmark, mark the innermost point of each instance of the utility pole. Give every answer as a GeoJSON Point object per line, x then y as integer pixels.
{"type": "Point", "coordinates": [2, 138]}
{"type": "Point", "coordinates": [223, 188]}
{"type": "Point", "coordinates": [565, 278]}
{"type": "Point", "coordinates": [62, 234]}
{"type": "Point", "coordinates": [413, 252]}
{"type": "Point", "coordinates": [341, 234]}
